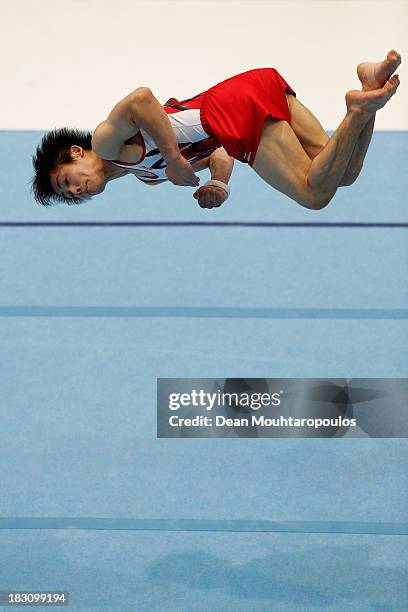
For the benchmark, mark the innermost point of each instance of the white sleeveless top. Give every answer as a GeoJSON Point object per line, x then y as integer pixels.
{"type": "Point", "coordinates": [193, 141]}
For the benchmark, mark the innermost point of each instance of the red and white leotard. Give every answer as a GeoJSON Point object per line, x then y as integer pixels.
{"type": "Point", "coordinates": [230, 114]}
{"type": "Point", "coordinates": [193, 141]}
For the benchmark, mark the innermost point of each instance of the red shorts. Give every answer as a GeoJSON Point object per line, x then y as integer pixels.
{"type": "Point", "coordinates": [234, 111]}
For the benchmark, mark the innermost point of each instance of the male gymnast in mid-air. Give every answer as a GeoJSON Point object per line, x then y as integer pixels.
{"type": "Point", "coordinates": [254, 117]}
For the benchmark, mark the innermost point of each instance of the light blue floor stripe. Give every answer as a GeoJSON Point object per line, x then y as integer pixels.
{"type": "Point", "coordinates": [115, 524]}
{"type": "Point", "coordinates": [203, 312]}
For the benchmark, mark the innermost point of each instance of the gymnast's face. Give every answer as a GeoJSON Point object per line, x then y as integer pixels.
{"type": "Point", "coordinates": [82, 178]}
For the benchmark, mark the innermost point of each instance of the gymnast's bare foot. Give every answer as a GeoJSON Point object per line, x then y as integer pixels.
{"type": "Point", "coordinates": [372, 101]}
{"type": "Point", "coordinates": [374, 75]}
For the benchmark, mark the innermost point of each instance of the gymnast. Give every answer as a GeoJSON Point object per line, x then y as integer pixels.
{"type": "Point", "coordinates": [253, 117]}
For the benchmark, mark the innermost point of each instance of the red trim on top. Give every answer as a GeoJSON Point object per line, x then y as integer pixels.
{"type": "Point", "coordinates": [148, 174]}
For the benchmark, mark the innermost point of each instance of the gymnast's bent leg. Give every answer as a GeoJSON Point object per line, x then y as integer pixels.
{"type": "Point", "coordinates": [312, 136]}
{"type": "Point", "coordinates": [283, 163]}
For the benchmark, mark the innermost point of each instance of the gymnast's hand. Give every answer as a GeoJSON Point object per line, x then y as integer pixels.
{"type": "Point", "coordinates": [180, 172]}
{"type": "Point", "coordinates": [209, 196]}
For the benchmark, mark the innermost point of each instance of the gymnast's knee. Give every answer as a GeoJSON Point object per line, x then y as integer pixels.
{"type": "Point", "coordinates": [349, 178]}
{"type": "Point", "coordinates": [315, 200]}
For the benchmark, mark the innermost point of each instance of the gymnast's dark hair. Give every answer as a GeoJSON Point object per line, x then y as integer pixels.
{"type": "Point", "coordinates": [53, 151]}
